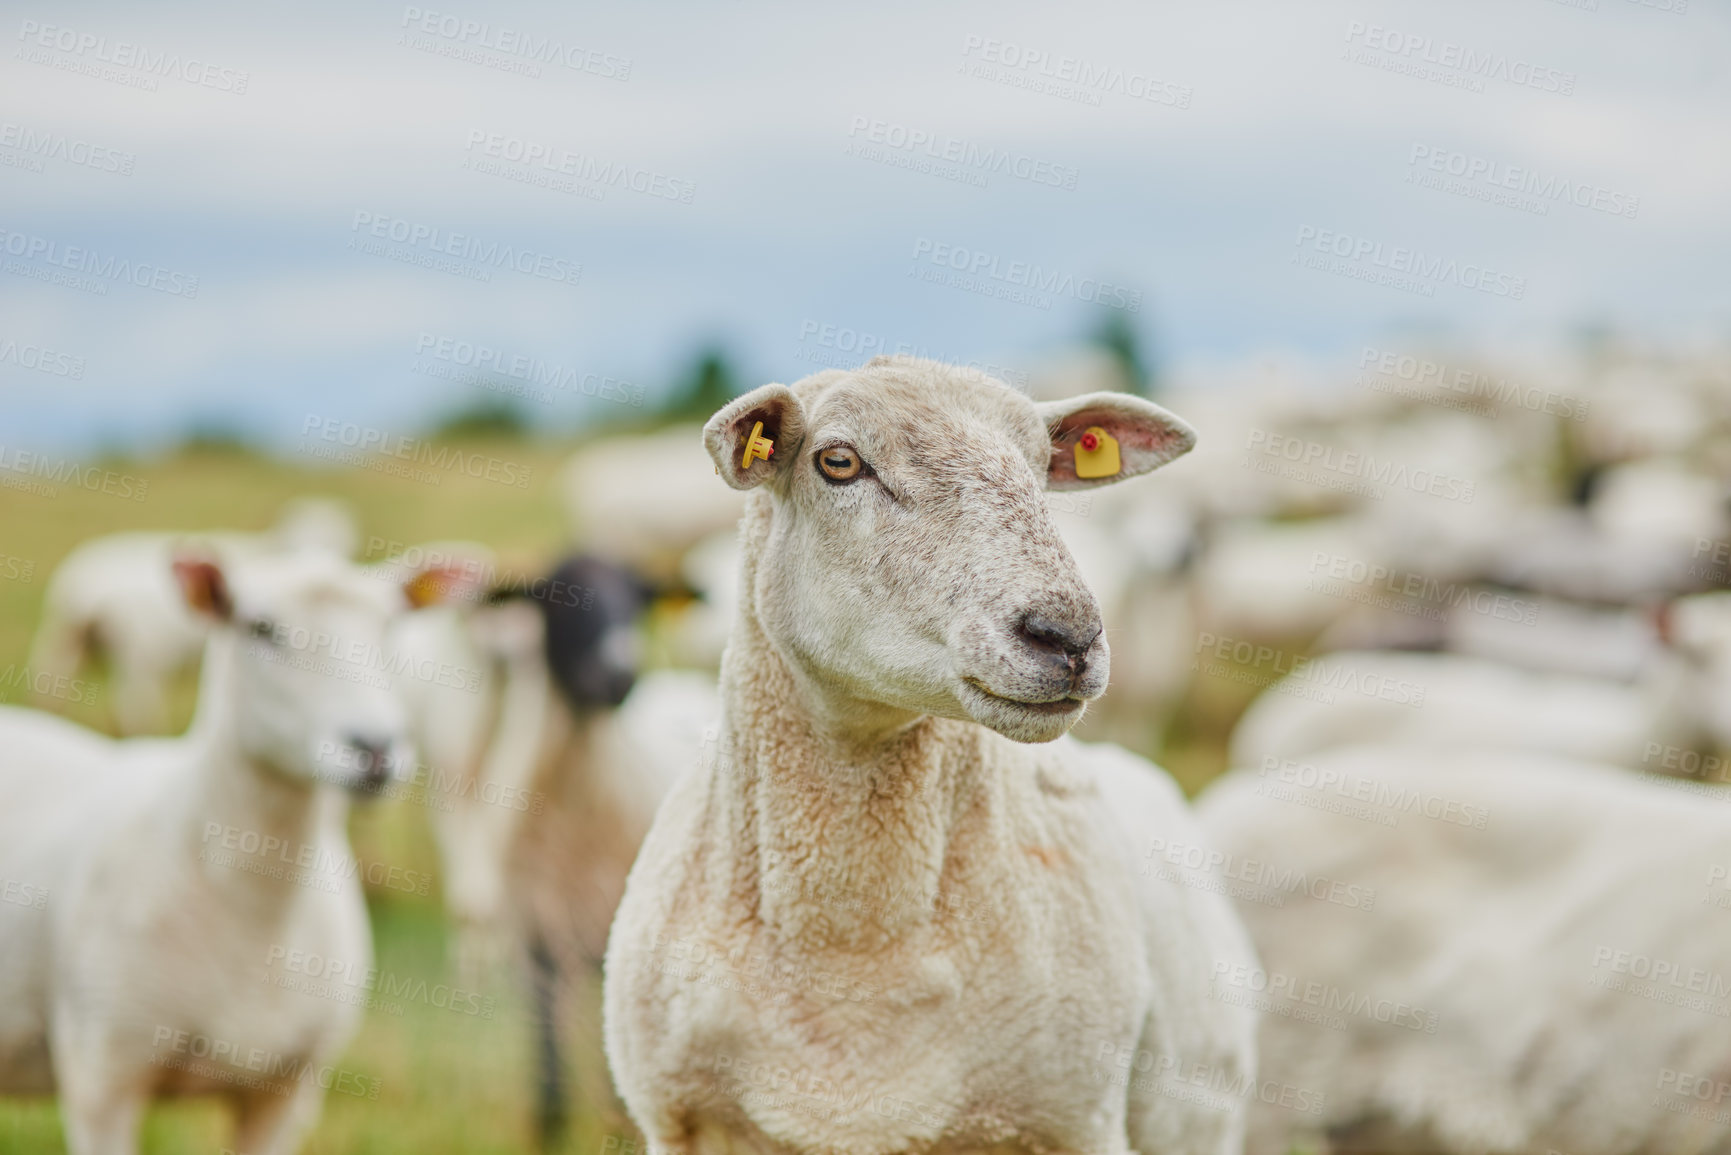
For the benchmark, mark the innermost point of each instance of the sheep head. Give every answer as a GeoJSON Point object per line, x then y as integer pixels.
{"type": "Point", "coordinates": [908, 560]}
{"type": "Point", "coordinates": [300, 673]}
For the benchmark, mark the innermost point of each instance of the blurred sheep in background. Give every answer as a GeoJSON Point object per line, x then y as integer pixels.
{"type": "Point", "coordinates": [550, 762]}
{"type": "Point", "coordinates": [115, 596]}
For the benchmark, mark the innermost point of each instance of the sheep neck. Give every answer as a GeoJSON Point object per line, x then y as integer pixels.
{"type": "Point", "coordinates": [837, 834]}
{"type": "Point", "coordinates": [235, 800]}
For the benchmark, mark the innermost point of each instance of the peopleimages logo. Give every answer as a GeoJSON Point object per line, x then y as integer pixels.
{"type": "Point", "coordinates": [44, 145]}
{"type": "Point", "coordinates": [1257, 873]}
{"type": "Point", "coordinates": [582, 168]}
{"type": "Point", "coordinates": [23, 894]}
{"type": "Point", "coordinates": [1329, 997]}
{"type": "Point", "coordinates": [971, 157]}
{"type": "Point", "coordinates": [44, 472]}
{"type": "Point", "coordinates": [87, 47]}
{"type": "Point", "coordinates": [1071, 77]}
{"type": "Point", "coordinates": [1327, 783]}
{"type": "Point", "coordinates": [366, 445]}
{"type": "Point", "coordinates": [1459, 65]}
{"type": "Point", "coordinates": [28, 356]}
{"type": "Point", "coordinates": [1482, 178]}
{"type": "Point", "coordinates": [253, 1068]}
{"type": "Point", "coordinates": [105, 267]}
{"type": "Point", "coordinates": [540, 379]}
{"type": "Point", "coordinates": [16, 680]}
{"type": "Point", "coordinates": [527, 46]}
{"type": "Point", "coordinates": [1169, 1075]}
{"type": "Point", "coordinates": [349, 981]}
{"type": "Point", "coordinates": [1399, 266]}
{"type": "Point", "coordinates": [1024, 281]}
{"type": "Point", "coordinates": [1407, 592]}
{"type": "Point", "coordinates": [841, 347]}
{"type": "Point", "coordinates": [426, 244]}
{"type": "Point", "coordinates": [1425, 374]}
{"type": "Point", "coordinates": [1350, 463]}
{"type": "Point", "coordinates": [1263, 664]}
{"type": "Point", "coordinates": [1670, 972]}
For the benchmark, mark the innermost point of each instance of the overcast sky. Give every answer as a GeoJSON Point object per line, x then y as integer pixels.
{"type": "Point", "coordinates": [1236, 178]}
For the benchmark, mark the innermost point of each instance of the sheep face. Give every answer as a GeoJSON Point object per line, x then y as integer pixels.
{"type": "Point", "coordinates": [908, 560]}
{"type": "Point", "coordinates": [591, 606]}
{"type": "Point", "coordinates": [307, 678]}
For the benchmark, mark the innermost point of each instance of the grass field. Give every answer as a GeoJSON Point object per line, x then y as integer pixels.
{"type": "Point", "coordinates": [446, 1082]}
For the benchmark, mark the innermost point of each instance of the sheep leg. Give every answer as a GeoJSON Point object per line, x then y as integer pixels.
{"type": "Point", "coordinates": [102, 1101]}
{"type": "Point", "coordinates": [552, 1111]}
{"type": "Point", "coordinates": [481, 953]}
{"type": "Point", "coordinates": [275, 1124]}
{"type": "Point", "coordinates": [100, 1121]}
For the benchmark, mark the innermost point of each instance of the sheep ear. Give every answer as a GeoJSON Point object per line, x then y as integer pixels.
{"type": "Point", "coordinates": [441, 585]}
{"type": "Point", "coordinates": [203, 586]}
{"type": "Point", "coordinates": [728, 436]}
{"type": "Point", "coordinates": [1100, 438]}
{"type": "Point", "coordinates": [437, 582]}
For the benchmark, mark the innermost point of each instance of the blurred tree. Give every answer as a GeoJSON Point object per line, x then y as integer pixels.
{"type": "Point", "coordinates": [482, 419]}
{"type": "Point", "coordinates": [710, 385]}
{"type": "Point", "coordinates": [1119, 338]}
{"type": "Point", "coordinates": [1595, 336]}
{"type": "Point", "coordinates": [214, 435]}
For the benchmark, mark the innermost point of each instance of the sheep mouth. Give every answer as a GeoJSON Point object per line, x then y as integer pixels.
{"type": "Point", "coordinates": [1064, 705]}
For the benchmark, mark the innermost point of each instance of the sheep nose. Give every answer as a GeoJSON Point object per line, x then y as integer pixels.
{"type": "Point", "coordinates": [373, 755]}
{"type": "Point", "coordinates": [1072, 637]}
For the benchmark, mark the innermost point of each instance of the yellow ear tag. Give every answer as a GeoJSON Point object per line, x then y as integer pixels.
{"type": "Point", "coordinates": [1097, 454]}
{"type": "Point", "coordinates": [425, 588]}
{"type": "Point", "coordinates": [759, 447]}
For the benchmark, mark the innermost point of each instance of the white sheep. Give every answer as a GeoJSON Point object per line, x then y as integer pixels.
{"type": "Point", "coordinates": [1565, 637]}
{"type": "Point", "coordinates": [542, 786]}
{"type": "Point", "coordinates": [1452, 700]}
{"type": "Point", "coordinates": [1234, 474]}
{"type": "Point", "coordinates": [1134, 545]}
{"type": "Point", "coordinates": [881, 921]}
{"type": "Point", "coordinates": [644, 499]}
{"type": "Point", "coordinates": [698, 634]}
{"type": "Point", "coordinates": [1640, 410]}
{"type": "Point", "coordinates": [116, 594]}
{"type": "Point", "coordinates": [473, 736]}
{"type": "Point", "coordinates": [1536, 674]}
{"type": "Point", "coordinates": [1478, 951]}
{"type": "Point", "coordinates": [1261, 581]}
{"type": "Point", "coordinates": [500, 747]}
{"type": "Point", "coordinates": [179, 881]}
{"type": "Point", "coordinates": [1641, 530]}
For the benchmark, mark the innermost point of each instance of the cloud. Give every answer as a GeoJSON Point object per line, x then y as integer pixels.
{"type": "Point", "coordinates": [1202, 140]}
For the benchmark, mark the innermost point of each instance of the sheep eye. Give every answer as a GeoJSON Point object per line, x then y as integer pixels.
{"type": "Point", "coordinates": [840, 463]}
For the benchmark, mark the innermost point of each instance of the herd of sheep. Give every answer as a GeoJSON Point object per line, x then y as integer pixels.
{"type": "Point", "coordinates": [850, 882]}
